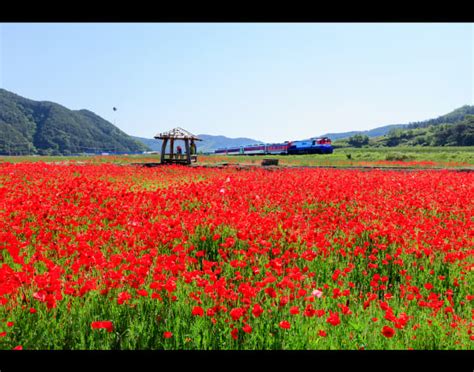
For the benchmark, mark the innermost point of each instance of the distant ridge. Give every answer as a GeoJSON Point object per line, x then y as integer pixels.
{"type": "Point", "coordinates": [376, 132]}
{"type": "Point", "coordinates": [47, 128]}
{"type": "Point", "coordinates": [452, 117]}
{"type": "Point", "coordinates": [209, 143]}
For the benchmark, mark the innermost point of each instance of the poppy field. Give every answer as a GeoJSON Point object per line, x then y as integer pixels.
{"type": "Point", "coordinates": [107, 256]}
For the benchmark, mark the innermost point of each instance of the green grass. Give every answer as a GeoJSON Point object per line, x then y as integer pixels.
{"type": "Point", "coordinates": [442, 156]}
{"type": "Point", "coordinates": [436, 154]}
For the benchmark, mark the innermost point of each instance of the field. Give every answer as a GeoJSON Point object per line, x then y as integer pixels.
{"type": "Point", "coordinates": [422, 157]}
{"type": "Point", "coordinates": [413, 157]}
{"type": "Point", "coordinates": [98, 255]}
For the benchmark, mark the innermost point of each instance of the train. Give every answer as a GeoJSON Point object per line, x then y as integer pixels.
{"type": "Point", "coordinates": [320, 145]}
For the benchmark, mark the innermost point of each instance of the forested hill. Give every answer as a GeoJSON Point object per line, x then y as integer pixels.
{"type": "Point", "coordinates": [379, 131]}
{"type": "Point", "coordinates": [453, 129]}
{"type": "Point", "coordinates": [449, 133]}
{"type": "Point", "coordinates": [47, 128]}
{"type": "Point", "coordinates": [454, 116]}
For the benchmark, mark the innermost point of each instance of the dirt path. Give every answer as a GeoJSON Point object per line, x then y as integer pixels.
{"type": "Point", "coordinates": [275, 167]}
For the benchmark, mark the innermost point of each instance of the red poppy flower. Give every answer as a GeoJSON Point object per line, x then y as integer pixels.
{"type": "Point", "coordinates": [40, 296]}
{"type": "Point", "coordinates": [320, 313]}
{"type": "Point", "coordinates": [235, 333]}
{"type": "Point", "coordinates": [285, 324]}
{"type": "Point", "coordinates": [236, 313]}
{"type": "Point", "coordinates": [210, 312]}
{"type": "Point", "coordinates": [271, 292]}
{"type": "Point", "coordinates": [167, 334]}
{"type": "Point", "coordinates": [294, 310]}
{"type": "Point", "coordinates": [247, 329]}
{"type": "Point", "coordinates": [333, 318]}
{"type": "Point", "coordinates": [257, 310]}
{"type": "Point", "coordinates": [388, 332]}
{"type": "Point", "coordinates": [198, 311]}
{"type": "Point", "coordinates": [123, 297]}
{"type": "Point", "coordinates": [108, 325]}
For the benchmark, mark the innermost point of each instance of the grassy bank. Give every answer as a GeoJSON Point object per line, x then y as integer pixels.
{"type": "Point", "coordinates": [399, 156]}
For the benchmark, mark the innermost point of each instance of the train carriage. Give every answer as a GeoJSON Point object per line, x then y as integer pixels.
{"type": "Point", "coordinates": [312, 146]}
{"type": "Point", "coordinates": [277, 148]}
{"type": "Point", "coordinates": [229, 151]}
{"type": "Point", "coordinates": [259, 149]}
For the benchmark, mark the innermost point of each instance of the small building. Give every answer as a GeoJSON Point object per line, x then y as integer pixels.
{"type": "Point", "coordinates": [174, 156]}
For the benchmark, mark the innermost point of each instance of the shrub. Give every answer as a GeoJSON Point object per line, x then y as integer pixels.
{"type": "Point", "coordinates": [398, 156]}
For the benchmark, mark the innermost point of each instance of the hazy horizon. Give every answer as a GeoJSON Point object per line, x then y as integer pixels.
{"type": "Point", "coordinates": [266, 81]}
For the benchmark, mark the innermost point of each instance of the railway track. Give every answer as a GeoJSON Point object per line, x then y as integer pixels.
{"type": "Point", "coordinates": [352, 167]}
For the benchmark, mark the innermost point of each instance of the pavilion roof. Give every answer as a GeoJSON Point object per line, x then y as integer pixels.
{"type": "Point", "coordinates": [177, 133]}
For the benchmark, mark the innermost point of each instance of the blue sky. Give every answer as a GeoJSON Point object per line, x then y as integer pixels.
{"type": "Point", "coordinates": [266, 81]}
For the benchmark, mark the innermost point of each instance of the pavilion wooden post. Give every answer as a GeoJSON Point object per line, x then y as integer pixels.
{"type": "Point", "coordinates": [163, 150]}
{"type": "Point", "coordinates": [188, 154]}
{"type": "Point", "coordinates": [171, 148]}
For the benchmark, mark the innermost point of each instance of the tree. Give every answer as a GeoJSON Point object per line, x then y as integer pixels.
{"type": "Point", "coordinates": [358, 140]}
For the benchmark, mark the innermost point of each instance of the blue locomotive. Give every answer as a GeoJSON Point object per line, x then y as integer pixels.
{"type": "Point", "coordinates": [313, 146]}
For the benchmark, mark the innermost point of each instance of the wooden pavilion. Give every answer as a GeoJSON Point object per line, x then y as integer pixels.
{"type": "Point", "coordinates": [176, 157]}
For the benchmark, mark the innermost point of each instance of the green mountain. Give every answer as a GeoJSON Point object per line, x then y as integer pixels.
{"type": "Point", "coordinates": [47, 128]}
{"type": "Point", "coordinates": [453, 129]}
{"type": "Point", "coordinates": [209, 143]}
{"type": "Point", "coordinates": [449, 133]}
{"type": "Point", "coordinates": [452, 117]}
{"type": "Point", "coordinates": [379, 131]}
